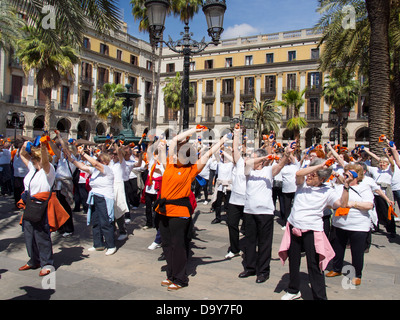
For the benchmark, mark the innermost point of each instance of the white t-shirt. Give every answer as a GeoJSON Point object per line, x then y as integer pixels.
{"type": "Point", "coordinates": [309, 204]}
{"type": "Point", "coordinates": [259, 192]}
{"type": "Point", "coordinates": [381, 176]}
{"type": "Point", "coordinates": [20, 169]}
{"type": "Point", "coordinates": [118, 169]}
{"type": "Point", "coordinates": [356, 220]}
{"type": "Point", "coordinates": [224, 173]}
{"type": "Point", "coordinates": [205, 173]}
{"type": "Point", "coordinates": [63, 170]}
{"type": "Point", "coordinates": [102, 183]}
{"type": "Point", "coordinates": [289, 177]}
{"type": "Point", "coordinates": [396, 178]}
{"type": "Point", "coordinates": [39, 182]}
{"type": "Point", "coordinates": [238, 192]}
{"type": "Point", "coordinates": [130, 164]}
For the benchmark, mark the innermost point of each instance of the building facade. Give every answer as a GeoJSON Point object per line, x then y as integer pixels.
{"type": "Point", "coordinates": [237, 70]}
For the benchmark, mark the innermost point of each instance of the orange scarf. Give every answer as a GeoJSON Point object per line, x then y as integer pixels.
{"type": "Point", "coordinates": [391, 212]}
{"type": "Point", "coordinates": [56, 213]}
{"type": "Point", "coordinates": [342, 211]}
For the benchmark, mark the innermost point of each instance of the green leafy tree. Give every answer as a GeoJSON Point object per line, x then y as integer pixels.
{"type": "Point", "coordinates": [106, 103]}
{"type": "Point", "coordinates": [292, 101]}
{"type": "Point", "coordinates": [265, 115]}
{"type": "Point", "coordinates": [10, 27]}
{"type": "Point", "coordinates": [51, 65]}
{"type": "Point", "coordinates": [341, 91]}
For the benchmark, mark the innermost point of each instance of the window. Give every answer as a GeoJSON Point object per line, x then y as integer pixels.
{"type": "Point", "coordinates": [192, 66]}
{"type": "Point", "coordinates": [249, 85]}
{"type": "Point", "coordinates": [315, 53]}
{"type": "Point", "coordinates": [227, 86]}
{"type": "Point", "coordinates": [270, 58]}
{"type": "Point", "coordinates": [249, 60]}
{"type": "Point", "coordinates": [134, 60]}
{"type": "Point", "coordinates": [102, 76]}
{"type": "Point", "coordinates": [209, 88]}
{"type": "Point", "coordinates": [228, 109]}
{"type": "Point", "coordinates": [117, 77]}
{"type": "Point", "coordinates": [133, 82]}
{"type": "Point", "coordinates": [228, 63]}
{"type": "Point", "coordinates": [119, 54]}
{"type": "Point", "coordinates": [171, 67]}
{"type": "Point", "coordinates": [149, 65]}
{"type": "Point", "coordinates": [209, 111]}
{"type": "Point", "coordinates": [208, 64]}
{"type": "Point", "coordinates": [314, 79]}
{"type": "Point", "coordinates": [86, 43]}
{"type": "Point", "coordinates": [291, 55]}
{"type": "Point", "coordinates": [270, 83]}
{"type": "Point", "coordinates": [64, 96]}
{"type": "Point", "coordinates": [104, 49]}
{"type": "Point", "coordinates": [291, 81]}
{"type": "Point", "coordinates": [192, 113]}
{"type": "Point", "coordinates": [313, 108]}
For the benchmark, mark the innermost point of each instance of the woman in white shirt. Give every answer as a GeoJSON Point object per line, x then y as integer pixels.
{"type": "Point", "coordinates": [101, 201]}
{"type": "Point", "coordinates": [259, 214]}
{"type": "Point", "coordinates": [289, 187]}
{"type": "Point", "coordinates": [39, 179]}
{"type": "Point", "coordinates": [353, 225]}
{"type": "Point", "coordinates": [305, 229]}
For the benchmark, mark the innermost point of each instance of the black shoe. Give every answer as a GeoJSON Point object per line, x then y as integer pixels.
{"type": "Point", "coordinates": [262, 278]}
{"type": "Point", "coordinates": [161, 257]}
{"type": "Point", "coordinates": [216, 220]}
{"type": "Point", "coordinates": [246, 274]}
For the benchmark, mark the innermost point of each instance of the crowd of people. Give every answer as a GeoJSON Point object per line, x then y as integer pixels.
{"type": "Point", "coordinates": [327, 197]}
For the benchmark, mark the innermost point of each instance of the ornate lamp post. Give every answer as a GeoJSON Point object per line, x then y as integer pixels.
{"type": "Point", "coordinates": [15, 121]}
{"type": "Point", "coordinates": [214, 11]}
{"type": "Point", "coordinates": [339, 119]}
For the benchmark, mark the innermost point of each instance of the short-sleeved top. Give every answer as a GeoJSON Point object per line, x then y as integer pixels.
{"type": "Point", "coordinates": [176, 184]}
{"type": "Point", "coordinates": [356, 220]}
{"type": "Point", "coordinates": [259, 192]}
{"type": "Point", "coordinates": [238, 193]}
{"type": "Point", "coordinates": [39, 182]}
{"type": "Point", "coordinates": [309, 204]}
{"type": "Point", "coordinates": [102, 183]}
{"type": "Point", "coordinates": [288, 173]}
{"type": "Point", "coordinates": [381, 176]}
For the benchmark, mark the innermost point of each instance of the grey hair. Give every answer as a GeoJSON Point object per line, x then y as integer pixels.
{"type": "Point", "coordinates": [261, 152]}
{"type": "Point", "coordinates": [323, 173]}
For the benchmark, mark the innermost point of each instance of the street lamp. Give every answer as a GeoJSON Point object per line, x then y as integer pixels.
{"type": "Point", "coordinates": [339, 119]}
{"type": "Point", "coordinates": [15, 120]}
{"type": "Point", "coordinates": [214, 11]}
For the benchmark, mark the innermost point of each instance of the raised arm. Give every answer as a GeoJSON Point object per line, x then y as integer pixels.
{"type": "Point", "coordinates": [204, 158]}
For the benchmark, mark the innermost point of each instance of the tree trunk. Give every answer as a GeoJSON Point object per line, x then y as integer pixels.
{"type": "Point", "coordinates": [47, 109]}
{"type": "Point", "coordinates": [379, 71]}
{"type": "Point", "coordinates": [396, 92]}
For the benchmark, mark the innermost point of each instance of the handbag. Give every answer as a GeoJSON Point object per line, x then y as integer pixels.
{"type": "Point", "coordinates": [35, 209]}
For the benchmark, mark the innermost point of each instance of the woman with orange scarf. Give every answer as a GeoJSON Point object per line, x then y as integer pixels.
{"type": "Point", "coordinates": [38, 183]}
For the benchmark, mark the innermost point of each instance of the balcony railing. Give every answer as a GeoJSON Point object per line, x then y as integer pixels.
{"type": "Point", "coordinates": [247, 94]}
{"type": "Point", "coordinates": [314, 117]}
{"type": "Point", "coordinates": [268, 93]}
{"type": "Point", "coordinates": [86, 80]}
{"type": "Point", "coordinates": [208, 119]}
{"type": "Point", "coordinates": [64, 106]}
{"type": "Point", "coordinates": [228, 95]}
{"type": "Point", "coordinates": [209, 96]}
{"type": "Point", "coordinates": [314, 90]}
{"type": "Point", "coordinates": [286, 89]}
{"type": "Point", "coordinates": [16, 99]}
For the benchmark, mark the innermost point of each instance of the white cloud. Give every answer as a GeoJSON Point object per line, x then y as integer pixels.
{"type": "Point", "coordinates": [240, 30]}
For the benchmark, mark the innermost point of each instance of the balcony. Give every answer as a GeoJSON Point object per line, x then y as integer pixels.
{"type": "Point", "coordinates": [84, 80]}
{"type": "Point", "coordinates": [207, 119]}
{"type": "Point", "coordinates": [268, 93]}
{"type": "Point", "coordinates": [314, 117]}
{"type": "Point", "coordinates": [208, 96]}
{"type": "Point", "coordinates": [227, 95]}
{"type": "Point", "coordinates": [247, 94]}
{"type": "Point", "coordinates": [85, 109]}
{"type": "Point", "coordinates": [315, 90]}
{"type": "Point", "coordinates": [286, 89]}
{"type": "Point", "coordinates": [64, 106]}
{"type": "Point", "coordinates": [16, 100]}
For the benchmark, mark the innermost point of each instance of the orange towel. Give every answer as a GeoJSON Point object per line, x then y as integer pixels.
{"type": "Point", "coordinates": [56, 213]}
{"type": "Point", "coordinates": [342, 211]}
{"type": "Point", "coordinates": [391, 212]}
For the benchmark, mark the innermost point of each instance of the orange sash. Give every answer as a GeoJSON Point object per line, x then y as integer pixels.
{"type": "Point", "coordinates": [342, 211]}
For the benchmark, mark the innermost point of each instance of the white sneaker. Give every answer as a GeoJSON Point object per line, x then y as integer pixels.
{"type": "Point", "coordinates": [291, 296]}
{"type": "Point", "coordinates": [92, 249]}
{"type": "Point", "coordinates": [122, 237]}
{"type": "Point", "coordinates": [67, 234]}
{"type": "Point", "coordinates": [231, 255]}
{"type": "Point", "coordinates": [205, 202]}
{"type": "Point", "coordinates": [111, 251]}
{"type": "Point", "coordinates": [127, 221]}
{"type": "Point", "coordinates": [153, 246]}
{"type": "Point", "coordinates": [283, 228]}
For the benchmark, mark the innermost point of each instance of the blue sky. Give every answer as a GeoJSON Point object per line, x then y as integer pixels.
{"type": "Point", "coordinates": [242, 18]}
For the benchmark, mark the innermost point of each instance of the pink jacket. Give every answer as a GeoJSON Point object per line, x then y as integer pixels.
{"type": "Point", "coordinates": [321, 242]}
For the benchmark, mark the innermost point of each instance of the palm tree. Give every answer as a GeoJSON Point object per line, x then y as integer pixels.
{"type": "Point", "coordinates": [107, 103]}
{"type": "Point", "coordinates": [265, 116]}
{"type": "Point", "coordinates": [11, 26]}
{"type": "Point", "coordinates": [51, 65]}
{"type": "Point", "coordinates": [292, 101]}
{"type": "Point", "coordinates": [72, 17]}
{"type": "Point", "coordinates": [341, 91]}
{"type": "Point", "coordinates": [173, 94]}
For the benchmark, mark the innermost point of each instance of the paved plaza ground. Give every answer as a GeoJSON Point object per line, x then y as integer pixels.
{"type": "Point", "coordinates": [134, 272]}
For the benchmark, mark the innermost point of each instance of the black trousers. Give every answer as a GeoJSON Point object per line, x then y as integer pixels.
{"type": "Point", "coordinates": [149, 199]}
{"type": "Point", "coordinates": [175, 243]}
{"type": "Point", "coordinates": [235, 213]}
{"type": "Point", "coordinates": [287, 205]}
{"type": "Point", "coordinates": [18, 188]}
{"type": "Point", "coordinates": [131, 193]}
{"type": "Point", "coordinates": [198, 188]}
{"type": "Point", "coordinates": [316, 276]}
{"type": "Point", "coordinates": [258, 243]}
{"type": "Point", "coordinates": [358, 241]}
{"type": "Point", "coordinates": [38, 242]}
{"type": "Point", "coordinates": [68, 226]}
{"type": "Point", "coordinates": [218, 203]}
{"type": "Point", "coordinates": [382, 212]}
